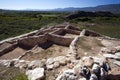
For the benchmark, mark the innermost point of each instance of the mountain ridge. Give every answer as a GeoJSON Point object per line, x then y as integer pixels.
{"type": "Point", "coordinates": [114, 8]}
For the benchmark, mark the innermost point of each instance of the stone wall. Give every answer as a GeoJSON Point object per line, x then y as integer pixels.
{"type": "Point", "coordinates": [61, 40]}
{"type": "Point", "coordinates": [60, 26]}
{"type": "Point", "coordinates": [41, 32]}
{"type": "Point", "coordinates": [92, 33]}
{"type": "Point", "coordinates": [58, 31]}
{"type": "Point", "coordinates": [82, 32]}
{"type": "Point", "coordinates": [32, 41]}
{"type": "Point", "coordinates": [72, 31]}
{"type": "Point", "coordinates": [74, 28]}
{"type": "Point", "coordinates": [73, 49]}
{"type": "Point", "coordinates": [17, 37]}
{"type": "Point", "coordinates": [7, 49]}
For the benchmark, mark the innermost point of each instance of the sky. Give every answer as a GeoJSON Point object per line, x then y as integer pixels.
{"type": "Point", "coordinates": [52, 4]}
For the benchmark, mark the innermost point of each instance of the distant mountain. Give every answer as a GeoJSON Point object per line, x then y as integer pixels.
{"type": "Point", "coordinates": [114, 8]}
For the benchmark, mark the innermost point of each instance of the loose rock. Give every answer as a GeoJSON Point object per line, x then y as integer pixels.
{"type": "Point", "coordinates": [35, 74]}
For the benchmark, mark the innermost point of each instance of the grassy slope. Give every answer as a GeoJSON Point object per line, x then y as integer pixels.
{"type": "Point", "coordinates": [16, 23]}
{"type": "Point", "coordinates": [13, 24]}
{"type": "Point", "coordinates": [105, 26]}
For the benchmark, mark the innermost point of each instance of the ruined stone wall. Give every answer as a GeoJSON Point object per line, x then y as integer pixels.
{"type": "Point", "coordinates": [7, 49]}
{"type": "Point", "coordinates": [41, 32]}
{"type": "Point", "coordinates": [61, 40]}
{"type": "Point", "coordinates": [74, 28]}
{"type": "Point", "coordinates": [72, 31]}
{"type": "Point", "coordinates": [17, 37]}
{"type": "Point", "coordinates": [60, 26]}
{"type": "Point", "coordinates": [58, 31]}
{"type": "Point", "coordinates": [92, 33]}
{"type": "Point", "coordinates": [32, 41]}
{"type": "Point", "coordinates": [73, 49]}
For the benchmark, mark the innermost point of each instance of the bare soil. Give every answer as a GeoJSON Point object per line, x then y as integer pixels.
{"type": "Point", "coordinates": [3, 46]}
{"type": "Point", "coordinates": [40, 53]}
{"type": "Point", "coordinates": [88, 46]}
{"type": "Point", "coordinates": [71, 35]}
{"type": "Point", "coordinates": [13, 54]}
{"type": "Point", "coordinates": [11, 73]}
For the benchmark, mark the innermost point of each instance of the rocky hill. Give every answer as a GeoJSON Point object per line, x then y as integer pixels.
{"type": "Point", "coordinates": [62, 52]}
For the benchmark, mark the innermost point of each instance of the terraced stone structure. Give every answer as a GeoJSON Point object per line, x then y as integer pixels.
{"type": "Point", "coordinates": [61, 52]}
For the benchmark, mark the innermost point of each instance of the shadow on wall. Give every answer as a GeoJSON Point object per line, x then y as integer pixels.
{"type": "Point", "coordinates": [46, 44]}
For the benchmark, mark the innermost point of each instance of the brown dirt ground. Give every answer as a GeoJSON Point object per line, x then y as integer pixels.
{"type": "Point", "coordinates": [13, 54]}
{"type": "Point", "coordinates": [11, 73]}
{"type": "Point", "coordinates": [53, 51]}
{"type": "Point", "coordinates": [88, 46]}
{"type": "Point", "coordinates": [71, 35]}
{"type": "Point", "coordinates": [2, 46]}
{"type": "Point", "coordinates": [91, 46]}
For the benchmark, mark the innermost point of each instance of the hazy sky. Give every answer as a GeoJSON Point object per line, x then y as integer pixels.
{"type": "Point", "coordinates": [50, 4]}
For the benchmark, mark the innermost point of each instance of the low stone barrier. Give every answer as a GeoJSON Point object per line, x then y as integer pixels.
{"type": "Point", "coordinates": [72, 31]}
{"type": "Point", "coordinates": [73, 50]}
{"type": "Point", "coordinates": [58, 31]}
{"type": "Point", "coordinates": [32, 41]}
{"type": "Point", "coordinates": [82, 32]}
{"type": "Point", "coordinates": [41, 32]}
{"type": "Point", "coordinates": [92, 33]}
{"type": "Point", "coordinates": [74, 28]}
{"type": "Point", "coordinates": [17, 37]}
{"type": "Point", "coordinates": [61, 40]}
{"type": "Point", "coordinates": [8, 48]}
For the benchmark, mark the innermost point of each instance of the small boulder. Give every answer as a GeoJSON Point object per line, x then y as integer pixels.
{"type": "Point", "coordinates": [34, 64]}
{"type": "Point", "coordinates": [68, 75]}
{"type": "Point", "coordinates": [56, 64]}
{"type": "Point", "coordinates": [50, 66]}
{"type": "Point", "coordinates": [35, 74]}
{"type": "Point", "coordinates": [93, 77]}
{"type": "Point", "coordinates": [117, 54]}
{"type": "Point", "coordinates": [6, 63]}
{"type": "Point", "coordinates": [117, 48]}
{"type": "Point", "coordinates": [89, 62]}
{"type": "Point", "coordinates": [117, 63]}
{"type": "Point", "coordinates": [96, 69]}
{"type": "Point", "coordinates": [111, 56]}
{"type": "Point", "coordinates": [50, 61]}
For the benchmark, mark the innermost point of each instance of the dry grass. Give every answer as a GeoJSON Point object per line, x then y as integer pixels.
{"type": "Point", "coordinates": [11, 74]}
